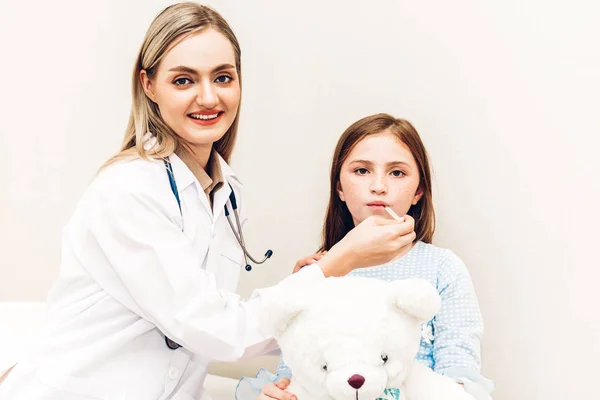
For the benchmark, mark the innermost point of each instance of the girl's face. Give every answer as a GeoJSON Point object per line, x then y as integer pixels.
{"type": "Point", "coordinates": [379, 171]}
{"type": "Point", "coordinates": [196, 88]}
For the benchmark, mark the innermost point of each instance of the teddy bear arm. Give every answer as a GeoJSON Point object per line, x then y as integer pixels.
{"type": "Point", "coordinates": [424, 384]}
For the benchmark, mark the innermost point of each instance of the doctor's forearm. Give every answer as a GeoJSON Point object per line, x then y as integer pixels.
{"type": "Point", "coordinates": [337, 262]}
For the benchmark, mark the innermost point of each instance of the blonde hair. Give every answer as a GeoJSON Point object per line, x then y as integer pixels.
{"type": "Point", "coordinates": [171, 26]}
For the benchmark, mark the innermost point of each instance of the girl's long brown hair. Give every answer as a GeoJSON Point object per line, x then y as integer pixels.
{"type": "Point", "coordinates": [338, 221]}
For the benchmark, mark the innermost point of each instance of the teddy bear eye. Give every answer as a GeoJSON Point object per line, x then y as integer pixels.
{"type": "Point", "coordinates": [384, 357]}
{"type": "Point", "coordinates": [324, 367]}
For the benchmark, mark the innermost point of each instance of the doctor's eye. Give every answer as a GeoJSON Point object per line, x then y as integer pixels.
{"type": "Point", "coordinates": [384, 358]}
{"type": "Point", "coordinates": [182, 81]}
{"type": "Point", "coordinates": [324, 367]}
{"type": "Point", "coordinates": [223, 79]}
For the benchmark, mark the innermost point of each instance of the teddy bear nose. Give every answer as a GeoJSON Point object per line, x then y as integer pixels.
{"type": "Point", "coordinates": [356, 381]}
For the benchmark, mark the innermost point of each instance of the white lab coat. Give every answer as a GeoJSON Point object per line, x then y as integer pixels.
{"type": "Point", "coordinates": [129, 275]}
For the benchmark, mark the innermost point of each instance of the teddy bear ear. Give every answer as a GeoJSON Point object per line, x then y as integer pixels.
{"type": "Point", "coordinates": [278, 313]}
{"type": "Point", "coordinates": [416, 297]}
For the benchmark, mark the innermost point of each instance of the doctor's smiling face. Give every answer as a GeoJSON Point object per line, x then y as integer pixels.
{"type": "Point", "coordinates": [197, 88]}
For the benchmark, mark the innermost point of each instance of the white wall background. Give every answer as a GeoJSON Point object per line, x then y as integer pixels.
{"type": "Point", "coordinates": [504, 93]}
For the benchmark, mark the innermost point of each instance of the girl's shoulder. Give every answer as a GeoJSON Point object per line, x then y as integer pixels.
{"type": "Point", "coordinates": [445, 260]}
{"type": "Point", "coordinates": [431, 254]}
{"type": "Point", "coordinates": [450, 268]}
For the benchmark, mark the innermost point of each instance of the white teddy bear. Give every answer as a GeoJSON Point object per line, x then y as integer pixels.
{"type": "Point", "coordinates": [351, 338]}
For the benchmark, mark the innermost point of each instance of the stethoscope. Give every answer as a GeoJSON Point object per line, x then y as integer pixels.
{"type": "Point", "coordinates": [239, 236]}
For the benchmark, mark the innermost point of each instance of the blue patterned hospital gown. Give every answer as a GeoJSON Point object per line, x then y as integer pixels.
{"type": "Point", "coordinates": [450, 342]}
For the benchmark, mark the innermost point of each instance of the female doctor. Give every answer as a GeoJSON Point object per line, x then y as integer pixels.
{"type": "Point", "coordinates": [150, 259]}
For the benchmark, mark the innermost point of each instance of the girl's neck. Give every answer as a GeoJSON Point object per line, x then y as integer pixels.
{"type": "Point", "coordinates": [404, 251]}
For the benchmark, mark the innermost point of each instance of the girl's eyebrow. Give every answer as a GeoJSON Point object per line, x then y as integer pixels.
{"type": "Point", "coordinates": [367, 162]}
{"type": "Point", "coordinates": [183, 68]}
{"type": "Point", "coordinates": [403, 163]}
{"type": "Point", "coordinates": [361, 162]}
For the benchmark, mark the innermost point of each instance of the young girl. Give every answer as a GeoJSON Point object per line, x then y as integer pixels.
{"type": "Point", "coordinates": [381, 162]}
{"type": "Point", "coordinates": [153, 253]}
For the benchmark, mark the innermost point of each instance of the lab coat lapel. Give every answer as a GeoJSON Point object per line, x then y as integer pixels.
{"type": "Point", "coordinates": [222, 196]}
{"type": "Point", "coordinates": [186, 177]}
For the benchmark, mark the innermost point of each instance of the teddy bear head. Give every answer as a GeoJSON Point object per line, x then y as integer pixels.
{"type": "Point", "coordinates": [349, 338]}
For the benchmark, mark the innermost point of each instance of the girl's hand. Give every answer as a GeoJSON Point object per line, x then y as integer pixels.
{"type": "Point", "coordinates": [277, 391]}
{"type": "Point", "coordinates": [308, 260]}
{"type": "Point", "coordinates": [375, 241]}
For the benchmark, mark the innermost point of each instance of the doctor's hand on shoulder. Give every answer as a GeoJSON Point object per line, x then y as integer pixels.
{"type": "Point", "coordinates": [375, 241]}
